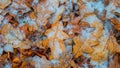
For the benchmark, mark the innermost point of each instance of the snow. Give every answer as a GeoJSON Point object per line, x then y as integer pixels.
{"type": "Point", "coordinates": [35, 2]}
{"type": "Point", "coordinates": [40, 62]}
{"type": "Point", "coordinates": [117, 10]}
{"type": "Point", "coordinates": [50, 34]}
{"type": "Point", "coordinates": [86, 33]}
{"type": "Point", "coordinates": [99, 6]}
{"type": "Point", "coordinates": [89, 6]}
{"type": "Point", "coordinates": [8, 48]}
{"type": "Point", "coordinates": [51, 7]}
{"type": "Point", "coordinates": [85, 65]}
{"type": "Point", "coordinates": [109, 9]}
{"type": "Point", "coordinates": [1, 50]}
{"type": "Point", "coordinates": [57, 50]}
{"type": "Point", "coordinates": [8, 65]}
{"type": "Point", "coordinates": [14, 8]}
{"type": "Point", "coordinates": [55, 61]}
{"type": "Point", "coordinates": [100, 65]}
{"type": "Point", "coordinates": [91, 19]}
{"type": "Point", "coordinates": [1, 18]}
{"type": "Point", "coordinates": [68, 48]}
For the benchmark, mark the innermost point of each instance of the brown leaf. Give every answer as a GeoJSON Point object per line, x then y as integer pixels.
{"type": "Point", "coordinates": [16, 60]}
{"type": "Point", "coordinates": [75, 21]}
{"type": "Point", "coordinates": [106, 2]}
{"type": "Point", "coordinates": [28, 29]}
{"type": "Point", "coordinates": [32, 15]}
{"type": "Point", "coordinates": [11, 20]}
{"type": "Point", "coordinates": [116, 23]}
{"type": "Point", "coordinates": [115, 62]}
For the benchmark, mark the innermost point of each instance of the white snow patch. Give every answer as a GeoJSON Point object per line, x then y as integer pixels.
{"type": "Point", "coordinates": [99, 65]}
{"type": "Point", "coordinates": [99, 6]}
{"type": "Point", "coordinates": [8, 48]}
{"type": "Point", "coordinates": [55, 61]}
{"type": "Point", "coordinates": [40, 62]}
{"type": "Point", "coordinates": [8, 65]}
{"type": "Point", "coordinates": [85, 65]}
{"type": "Point", "coordinates": [91, 19]}
{"type": "Point", "coordinates": [57, 50]}
{"type": "Point", "coordinates": [109, 9]}
{"type": "Point", "coordinates": [1, 50]}
{"type": "Point", "coordinates": [86, 33]}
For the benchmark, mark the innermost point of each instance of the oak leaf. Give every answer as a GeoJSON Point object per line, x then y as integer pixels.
{"type": "Point", "coordinates": [55, 37]}
{"type": "Point", "coordinates": [77, 47]}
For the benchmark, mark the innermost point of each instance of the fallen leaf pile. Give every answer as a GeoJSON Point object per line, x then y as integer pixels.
{"type": "Point", "coordinates": [59, 34]}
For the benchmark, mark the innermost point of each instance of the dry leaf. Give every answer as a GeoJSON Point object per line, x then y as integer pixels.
{"type": "Point", "coordinates": [16, 60]}
{"type": "Point", "coordinates": [24, 65]}
{"type": "Point", "coordinates": [111, 44]}
{"type": "Point", "coordinates": [99, 56]}
{"type": "Point", "coordinates": [77, 47]}
{"type": "Point", "coordinates": [87, 49]}
{"type": "Point", "coordinates": [11, 20]}
{"type": "Point", "coordinates": [55, 37]}
{"type": "Point", "coordinates": [4, 3]}
{"type": "Point", "coordinates": [115, 62]}
{"type": "Point", "coordinates": [5, 28]}
{"type": "Point", "coordinates": [28, 29]}
{"type": "Point", "coordinates": [25, 44]}
{"type": "Point", "coordinates": [32, 15]}
{"type": "Point", "coordinates": [116, 23]}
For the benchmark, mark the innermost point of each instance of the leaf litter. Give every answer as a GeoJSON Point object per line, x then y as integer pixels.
{"type": "Point", "coordinates": [59, 34]}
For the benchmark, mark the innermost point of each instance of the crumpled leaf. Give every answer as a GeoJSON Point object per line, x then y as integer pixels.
{"type": "Point", "coordinates": [25, 44]}
{"type": "Point", "coordinates": [28, 29]}
{"type": "Point", "coordinates": [11, 19]}
{"type": "Point", "coordinates": [111, 44]}
{"type": "Point", "coordinates": [41, 62]}
{"type": "Point", "coordinates": [45, 9]}
{"type": "Point", "coordinates": [115, 62]}
{"type": "Point", "coordinates": [5, 29]}
{"type": "Point", "coordinates": [116, 23]}
{"type": "Point", "coordinates": [87, 49]}
{"type": "Point", "coordinates": [56, 36]}
{"type": "Point", "coordinates": [77, 47]}
{"type": "Point", "coordinates": [32, 15]}
{"type": "Point", "coordinates": [99, 56]}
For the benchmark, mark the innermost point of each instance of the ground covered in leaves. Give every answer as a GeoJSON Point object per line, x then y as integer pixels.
{"type": "Point", "coordinates": [59, 33]}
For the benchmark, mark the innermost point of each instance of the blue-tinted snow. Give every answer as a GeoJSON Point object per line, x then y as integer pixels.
{"type": "Point", "coordinates": [8, 48]}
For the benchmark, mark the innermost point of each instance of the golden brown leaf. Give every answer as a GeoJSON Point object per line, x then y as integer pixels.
{"type": "Point", "coordinates": [111, 44]}
{"type": "Point", "coordinates": [32, 15]}
{"type": "Point", "coordinates": [77, 47]}
{"type": "Point", "coordinates": [87, 49]}
{"type": "Point", "coordinates": [28, 29]}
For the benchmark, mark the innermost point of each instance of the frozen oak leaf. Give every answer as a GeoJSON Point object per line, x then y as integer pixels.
{"type": "Point", "coordinates": [116, 23]}
{"type": "Point", "coordinates": [28, 29]}
{"type": "Point", "coordinates": [45, 9]}
{"type": "Point", "coordinates": [99, 56]}
{"type": "Point", "coordinates": [5, 28]}
{"type": "Point", "coordinates": [4, 3]}
{"type": "Point", "coordinates": [55, 37]}
{"type": "Point", "coordinates": [77, 47]}
{"type": "Point", "coordinates": [41, 62]}
{"type": "Point", "coordinates": [25, 44]}
{"type": "Point", "coordinates": [111, 44]}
